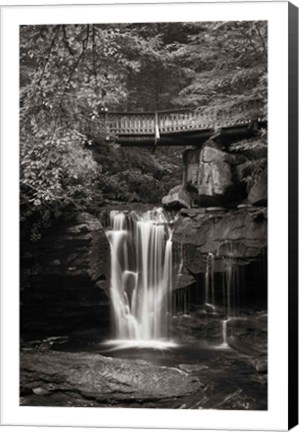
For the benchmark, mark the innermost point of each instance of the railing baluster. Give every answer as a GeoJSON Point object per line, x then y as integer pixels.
{"type": "Point", "coordinates": [182, 121]}
{"type": "Point", "coordinates": [136, 124]}
{"type": "Point", "coordinates": [134, 119]}
{"type": "Point", "coordinates": [164, 122]}
{"type": "Point", "coordinates": [130, 123]}
{"type": "Point", "coordinates": [161, 122]}
{"type": "Point", "coordinates": [139, 123]}
{"type": "Point", "coordinates": [142, 123]}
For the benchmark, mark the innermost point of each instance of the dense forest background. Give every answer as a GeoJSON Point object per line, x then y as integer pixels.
{"type": "Point", "coordinates": [70, 73]}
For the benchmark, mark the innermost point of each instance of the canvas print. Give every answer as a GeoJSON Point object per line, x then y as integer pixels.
{"type": "Point", "coordinates": [143, 215]}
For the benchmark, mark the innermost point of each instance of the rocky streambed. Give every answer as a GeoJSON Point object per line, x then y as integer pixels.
{"type": "Point", "coordinates": [210, 379]}
{"type": "Point", "coordinates": [196, 374]}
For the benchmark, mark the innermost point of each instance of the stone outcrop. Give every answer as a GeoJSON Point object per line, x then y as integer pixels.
{"type": "Point", "coordinates": [218, 175]}
{"type": "Point", "coordinates": [258, 191]}
{"type": "Point", "coordinates": [240, 234]}
{"type": "Point", "coordinates": [64, 280]}
{"type": "Point", "coordinates": [178, 197]}
{"type": "Point", "coordinates": [211, 172]}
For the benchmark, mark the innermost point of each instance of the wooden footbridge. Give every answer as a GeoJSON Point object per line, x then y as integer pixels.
{"type": "Point", "coordinates": [178, 127]}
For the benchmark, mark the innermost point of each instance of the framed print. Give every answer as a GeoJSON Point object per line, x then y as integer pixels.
{"type": "Point", "coordinates": [149, 215]}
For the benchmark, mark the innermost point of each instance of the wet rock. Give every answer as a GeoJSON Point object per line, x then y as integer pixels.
{"type": "Point", "coordinates": [249, 336]}
{"type": "Point", "coordinates": [244, 206]}
{"type": "Point", "coordinates": [238, 233]}
{"type": "Point", "coordinates": [40, 391]}
{"type": "Point", "coordinates": [190, 368]}
{"type": "Point", "coordinates": [177, 198]}
{"type": "Point", "coordinates": [215, 209]}
{"type": "Point", "coordinates": [260, 365]}
{"type": "Point", "coordinates": [183, 280]}
{"type": "Point", "coordinates": [191, 213]}
{"type": "Point", "coordinates": [197, 327]}
{"type": "Point", "coordinates": [102, 378]}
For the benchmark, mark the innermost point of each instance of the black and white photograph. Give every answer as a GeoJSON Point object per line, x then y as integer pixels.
{"type": "Point", "coordinates": [143, 215]}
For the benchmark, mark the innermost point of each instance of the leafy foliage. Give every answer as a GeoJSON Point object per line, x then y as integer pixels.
{"type": "Point", "coordinates": [231, 64]}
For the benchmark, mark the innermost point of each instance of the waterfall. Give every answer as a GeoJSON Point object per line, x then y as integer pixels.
{"type": "Point", "coordinates": [224, 344]}
{"type": "Point", "coordinates": [141, 275]}
{"type": "Point", "coordinates": [209, 280]}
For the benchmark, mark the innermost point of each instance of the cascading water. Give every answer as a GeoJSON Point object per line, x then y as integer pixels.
{"type": "Point", "coordinates": [231, 280]}
{"type": "Point", "coordinates": [224, 344]}
{"type": "Point", "coordinates": [141, 275]}
{"type": "Point", "coordinates": [209, 281]}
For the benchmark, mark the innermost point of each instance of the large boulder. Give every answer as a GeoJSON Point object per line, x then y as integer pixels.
{"type": "Point", "coordinates": [65, 279]}
{"type": "Point", "coordinates": [178, 197]}
{"type": "Point", "coordinates": [211, 172]}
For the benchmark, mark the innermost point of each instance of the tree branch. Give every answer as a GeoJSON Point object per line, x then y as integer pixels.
{"type": "Point", "coordinates": [66, 41]}
{"type": "Point", "coordinates": [49, 55]}
{"type": "Point", "coordinates": [244, 34]}
{"type": "Point", "coordinates": [261, 39]}
{"type": "Point", "coordinates": [76, 64]}
{"type": "Point", "coordinates": [94, 59]}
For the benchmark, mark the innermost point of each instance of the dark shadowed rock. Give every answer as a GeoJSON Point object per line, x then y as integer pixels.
{"type": "Point", "coordinates": [260, 365]}
{"type": "Point", "coordinates": [239, 234]}
{"type": "Point", "coordinates": [65, 279]}
{"type": "Point", "coordinates": [258, 193]}
{"type": "Point", "coordinates": [177, 198]}
{"type": "Point", "coordinates": [183, 280]}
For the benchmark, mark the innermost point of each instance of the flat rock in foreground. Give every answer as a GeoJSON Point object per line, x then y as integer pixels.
{"type": "Point", "coordinates": [93, 377]}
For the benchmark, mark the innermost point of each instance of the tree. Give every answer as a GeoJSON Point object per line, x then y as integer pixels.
{"type": "Point", "coordinates": [66, 72]}
{"type": "Point", "coordinates": [230, 65]}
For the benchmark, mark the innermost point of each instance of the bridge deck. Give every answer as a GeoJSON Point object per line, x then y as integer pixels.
{"type": "Point", "coordinates": [165, 127]}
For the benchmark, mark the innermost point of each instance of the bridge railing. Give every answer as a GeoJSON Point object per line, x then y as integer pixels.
{"type": "Point", "coordinates": [114, 124]}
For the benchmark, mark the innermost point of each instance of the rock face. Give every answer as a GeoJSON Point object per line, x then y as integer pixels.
{"type": "Point", "coordinates": [239, 234]}
{"type": "Point", "coordinates": [258, 191]}
{"type": "Point", "coordinates": [97, 379]}
{"type": "Point", "coordinates": [178, 197]}
{"type": "Point", "coordinates": [211, 172]}
{"type": "Point", "coordinates": [221, 175]}
{"type": "Point", "coordinates": [64, 280]}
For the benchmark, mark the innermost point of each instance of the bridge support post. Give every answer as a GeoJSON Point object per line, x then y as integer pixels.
{"type": "Point", "coordinates": [157, 131]}
{"type": "Point", "coordinates": [107, 128]}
